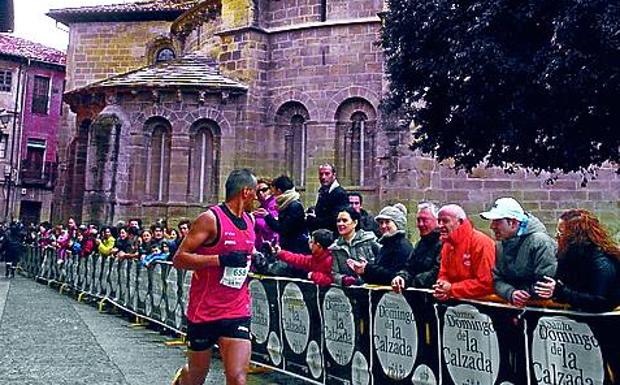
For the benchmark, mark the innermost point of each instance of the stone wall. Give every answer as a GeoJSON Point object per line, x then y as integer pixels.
{"type": "Point", "coordinates": [101, 50]}
{"type": "Point", "coordinates": [321, 68]}
{"type": "Point", "coordinates": [291, 12]}
{"type": "Point", "coordinates": [97, 51]}
{"type": "Point", "coordinates": [344, 9]}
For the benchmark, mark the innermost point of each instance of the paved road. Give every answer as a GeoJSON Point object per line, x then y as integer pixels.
{"type": "Point", "coordinates": [51, 339]}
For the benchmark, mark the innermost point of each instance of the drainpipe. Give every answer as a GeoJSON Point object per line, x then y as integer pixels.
{"type": "Point", "coordinates": [13, 139]}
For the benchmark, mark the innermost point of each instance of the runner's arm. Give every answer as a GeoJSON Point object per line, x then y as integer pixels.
{"type": "Point", "coordinates": [203, 230]}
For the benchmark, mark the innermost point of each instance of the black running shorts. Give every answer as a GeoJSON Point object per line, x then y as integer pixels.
{"type": "Point", "coordinates": [202, 336]}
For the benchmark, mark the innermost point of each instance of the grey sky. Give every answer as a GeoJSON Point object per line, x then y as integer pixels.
{"type": "Point", "coordinates": [32, 24]}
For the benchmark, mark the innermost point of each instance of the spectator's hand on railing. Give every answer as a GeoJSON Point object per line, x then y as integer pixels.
{"type": "Point", "coordinates": [398, 284]}
{"type": "Point", "coordinates": [545, 288]}
{"type": "Point", "coordinates": [520, 298]}
{"type": "Point", "coordinates": [349, 280]}
{"type": "Point", "coordinates": [442, 290]}
{"type": "Point", "coordinates": [359, 267]}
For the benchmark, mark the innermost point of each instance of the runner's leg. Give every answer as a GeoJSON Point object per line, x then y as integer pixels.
{"type": "Point", "coordinates": [236, 359]}
{"type": "Point", "coordinates": [196, 369]}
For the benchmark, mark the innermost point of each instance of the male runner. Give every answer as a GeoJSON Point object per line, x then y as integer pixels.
{"type": "Point", "coordinates": [218, 248]}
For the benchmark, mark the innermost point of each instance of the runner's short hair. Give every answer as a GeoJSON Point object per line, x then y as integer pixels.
{"type": "Point", "coordinates": [238, 180]}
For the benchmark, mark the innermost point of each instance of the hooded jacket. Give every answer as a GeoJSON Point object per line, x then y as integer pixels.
{"type": "Point", "coordinates": [524, 259]}
{"type": "Point", "coordinates": [363, 246]}
{"type": "Point", "coordinates": [392, 257]}
{"type": "Point", "coordinates": [319, 265]}
{"type": "Point", "coordinates": [467, 258]}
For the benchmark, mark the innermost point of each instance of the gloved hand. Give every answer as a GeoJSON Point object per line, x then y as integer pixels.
{"type": "Point", "coordinates": [348, 280]}
{"type": "Point", "coordinates": [234, 259]}
{"type": "Point", "coordinates": [259, 260]}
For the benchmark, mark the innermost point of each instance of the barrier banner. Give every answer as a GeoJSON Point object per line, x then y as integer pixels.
{"type": "Point", "coordinates": [302, 329]}
{"type": "Point", "coordinates": [510, 329]}
{"type": "Point", "coordinates": [573, 348]}
{"type": "Point", "coordinates": [482, 344]}
{"type": "Point", "coordinates": [266, 330]}
{"type": "Point", "coordinates": [347, 323]}
{"type": "Point", "coordinates": [405, 338]}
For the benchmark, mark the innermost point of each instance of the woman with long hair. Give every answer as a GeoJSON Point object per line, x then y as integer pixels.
{"type": "Point", "coordinates": [588, 274]}
{"type": "Point", "coordinates": [354, 245]}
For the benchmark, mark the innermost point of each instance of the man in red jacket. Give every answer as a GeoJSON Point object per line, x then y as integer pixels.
{"type": "Point", "coordinates": [319, 264]}
{"type": "Point", "coordinates": [467, 257]}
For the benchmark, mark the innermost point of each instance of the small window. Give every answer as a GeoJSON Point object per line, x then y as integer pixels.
{"type": "Point", "coordinates": [164, 54]}
{"type": "Point", "coordinates": [40, 95]}
{"type": "Point", "coordinates": [4, 143]}
{"type": "Point", "coordinates": [35, 155]}
{"type": "Point", "coordinates": [6, 80]}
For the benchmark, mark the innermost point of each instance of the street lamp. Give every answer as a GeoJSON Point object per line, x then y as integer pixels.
{"type": "Point", "coordinates": [5, 118]}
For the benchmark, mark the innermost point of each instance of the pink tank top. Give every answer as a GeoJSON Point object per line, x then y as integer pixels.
{"type": "Point", "coordinates": [209, 300]}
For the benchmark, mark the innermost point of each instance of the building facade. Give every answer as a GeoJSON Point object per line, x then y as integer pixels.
{"type": "Point", "coordinates": [31, 88]}
{"type": "Point", "coordinates": [167, 97]}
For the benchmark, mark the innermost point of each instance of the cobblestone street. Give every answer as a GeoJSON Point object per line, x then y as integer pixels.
{"type": "Point", "coordinates": [51, 339]}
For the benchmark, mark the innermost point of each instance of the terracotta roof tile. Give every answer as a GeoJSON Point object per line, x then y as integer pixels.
{"type": "Point", "coordinates": [193, 71]}
{"type": "Point", "coordinates": [12, 45]}
{"type": "Point", "coordinates": [139, 6]}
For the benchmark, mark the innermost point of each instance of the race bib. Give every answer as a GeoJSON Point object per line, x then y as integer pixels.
{"type": "Point", "coordinates": [235, 276]}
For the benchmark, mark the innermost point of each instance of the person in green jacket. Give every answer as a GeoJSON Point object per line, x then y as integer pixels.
{"type": "Point", "coordinates": [525, 251]}
{"type": "Point", "coordinates": [352, 243]}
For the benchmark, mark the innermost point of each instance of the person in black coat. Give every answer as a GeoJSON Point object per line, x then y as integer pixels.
{"type": "Point", "coordinates": [12, 247]}
{"type": "Point", "coordinates": [367, 222]}
{"type": "Point", "coordinates": [290, 225]}
{"type": "Point", "coordinates": [422, 265]}
{"type": "Point", "coordinates": [332, 198]}
{"type": "Point", "coordinates": [588, 274]}
{"type": "Point", "coordinates": [395, 248]}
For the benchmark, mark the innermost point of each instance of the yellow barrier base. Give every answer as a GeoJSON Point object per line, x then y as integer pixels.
{"type": "Point", "coordinates": [139, 323]}
{"type": "Point", "coordinates": [81, 296]}
{"type": "Point", "coordinates": [255, 369]}
{"type": "Point", "coordinates": [101, 305]}
{"type": "Point", "coordinates": [176, 342]}
{"type": "Point", "coordinates": [62, 288]}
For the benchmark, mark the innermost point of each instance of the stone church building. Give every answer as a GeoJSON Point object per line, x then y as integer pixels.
{"type": "Point", "coordinates": [167, 96]}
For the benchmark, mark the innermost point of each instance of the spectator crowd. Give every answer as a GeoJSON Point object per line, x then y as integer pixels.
{"type": "Point", "coordinates": [337, 241]}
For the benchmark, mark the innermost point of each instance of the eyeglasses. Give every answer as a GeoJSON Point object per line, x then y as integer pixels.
{"type": "Point", "coordinates": [262, 190]}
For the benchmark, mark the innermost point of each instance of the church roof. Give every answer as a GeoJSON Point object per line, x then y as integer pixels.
{"type": "Point", "coordinates": [22, 48]}
{"type": "Point", "coordinates": [139, 10]}
{"type": "Point", "coordinates": [193, 72]}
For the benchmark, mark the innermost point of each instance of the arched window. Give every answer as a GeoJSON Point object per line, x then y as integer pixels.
{"type": "Point", "coordinates": [292, 118]}
{"type": "Point", "coordinates": [164, 54]}
{"type": "Point", "coordinates": [158, 161]}
{"type": "Point", "coordinates": [295, 148]}
{"type": "Point", "coordinates": [355, 142]}
{"type": "Point", "coordinates": [203, 158]}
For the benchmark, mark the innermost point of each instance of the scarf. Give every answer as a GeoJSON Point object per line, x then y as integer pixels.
{"type": "Point", "coordinates": [286, 198]}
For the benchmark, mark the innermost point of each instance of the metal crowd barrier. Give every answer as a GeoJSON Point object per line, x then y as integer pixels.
{"type": "Point", "coordinates": [157, 293]}
{"type": "Point", "coordinates": [368, 335]}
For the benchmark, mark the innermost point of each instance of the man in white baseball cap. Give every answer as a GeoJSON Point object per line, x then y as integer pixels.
{"type": "Point", "coordinates": [525, 252]}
